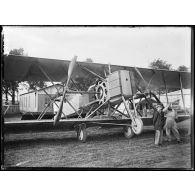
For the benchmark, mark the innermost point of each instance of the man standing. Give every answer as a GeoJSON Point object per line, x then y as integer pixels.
{"type": "Point", "coordinates": [171, 125]}
{"type": "Point", "coordinates": [158, 122]}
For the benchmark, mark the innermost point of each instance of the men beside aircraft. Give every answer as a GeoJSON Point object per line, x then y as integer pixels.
{"type": "Point", "coordinates": [171, 125]}
{"type": "Point", "coordinates": [158, 122]}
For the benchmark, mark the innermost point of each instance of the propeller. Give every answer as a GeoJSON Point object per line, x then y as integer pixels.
{"type": "Point", "coordinates": [70, 71]}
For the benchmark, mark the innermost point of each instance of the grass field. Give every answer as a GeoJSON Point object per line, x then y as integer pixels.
{"type": "Point", "coordinates": [104, 149]}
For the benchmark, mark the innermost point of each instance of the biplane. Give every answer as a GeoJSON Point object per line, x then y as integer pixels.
{"type": "Point", "coordinates": [113, 86]}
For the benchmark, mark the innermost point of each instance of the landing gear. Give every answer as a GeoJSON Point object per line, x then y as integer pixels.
{"type": "Point", "coordinates": [81, 133]}
{"type": "Point", "coordinates": [137, 125]}
{"type": "Point", "coordinates": [135, 128]}
{"type": "Point", "coordinates": [128, 132]}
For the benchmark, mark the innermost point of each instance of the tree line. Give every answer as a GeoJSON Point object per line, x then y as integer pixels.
{"type": "Point", "coordinates": [10, 88]}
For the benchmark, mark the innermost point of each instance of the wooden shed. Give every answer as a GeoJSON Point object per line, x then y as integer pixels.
{"type": "Point", "coordinates": [32, 103]}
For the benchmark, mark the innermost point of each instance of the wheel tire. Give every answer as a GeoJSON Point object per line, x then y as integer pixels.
{"type": "Point", "coordinates": [82, 133]}
{"type": "Point", "coordinates": [128, 132]}
{"type": "Point", "coordinates": [138, 128]}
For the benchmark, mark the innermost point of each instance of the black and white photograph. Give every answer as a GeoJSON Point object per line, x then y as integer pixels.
{"type": "Point", "coordinates": [97, 97]}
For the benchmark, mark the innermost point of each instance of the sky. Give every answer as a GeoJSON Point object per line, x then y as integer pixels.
{"type": "Point", "coordinates": [127, 46]}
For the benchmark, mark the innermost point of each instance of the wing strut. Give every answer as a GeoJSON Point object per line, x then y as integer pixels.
{"type": "Point", "coordinates": [75, 84]}
{"type": "Point", "coordinates": [109, 68]}
{"type": "Point", "coordinates": [47, 77]}
{"type": "Point", "coordinates": [128, 111]}
{"type": "Point", "coordinates": [181, 87]}
{"type": "Point", "coordinates": [86, 69]}
{"type": "Point", "coordinates": [96, 109]}
{"type": "Point", "coordinates": [140, 75]}
{"type": "Point", "coordinates": [79, 115]}
{"type": "Point", "coordinates": [50, 97]}
{"type": "Point", "coordinates": [159, 94]}
{"type": "Point", "coordinates": [163, 76]}
{"type": "Point", "coordinates": [153, 73]}
{"type": "Point", "coordinates": [119, 111]}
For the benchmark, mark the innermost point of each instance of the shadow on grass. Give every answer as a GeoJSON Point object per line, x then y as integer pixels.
{"type": "Point", "coordinates": [64, 140]}
{"type": "Point", "coordinates": [68, 139]}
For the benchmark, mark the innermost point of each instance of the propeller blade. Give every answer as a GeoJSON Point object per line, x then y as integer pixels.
{"type": "Point", "coordinates": [70, 71]}
{"type": "Point", "coordinates": [58, 115]}
{"type": "Point", "coordinates": [140, 75]}
{"type": "Point", "coordinates": [71, 68]}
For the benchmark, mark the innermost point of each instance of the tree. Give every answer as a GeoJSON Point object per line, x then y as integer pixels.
{"type": "Point", "coordinates": [89, 60]}
{"type": "Point", "coordinates": [83, 83]}
{"type": "Point", "coordinates": [6, 86]}
{"type": "Point", "coordinates": [18, 52]}
{"type": "Point", "coordinates": [15, 84]}
{"type": "Point", "coordinates": [160, 64]}
{"type": "Point", "coordinates": [34, 85]}
{"type": "Point", "coordinates": [11, 87]}
{"type": "Point", "coordinates": [182, 68]}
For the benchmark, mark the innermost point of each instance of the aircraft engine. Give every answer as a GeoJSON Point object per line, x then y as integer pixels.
{"type": "Point", "coordinates": [116, 84]}
{"type": "Point", "coordinates": [101, 87]}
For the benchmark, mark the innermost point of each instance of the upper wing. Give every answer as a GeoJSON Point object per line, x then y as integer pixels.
{"type": "Point", "coordinates": [160, 79]}
{"type": "Point", "coordinates": [23, 68]}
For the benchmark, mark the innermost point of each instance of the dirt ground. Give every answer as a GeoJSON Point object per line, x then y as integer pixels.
{"type": "Point", "coordinates": [105, 148]}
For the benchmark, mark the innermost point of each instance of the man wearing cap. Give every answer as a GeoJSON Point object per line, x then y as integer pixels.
{"type": "Point", "coordinates": [158, 122]}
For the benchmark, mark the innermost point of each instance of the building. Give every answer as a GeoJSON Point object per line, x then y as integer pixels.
{"type": "Point", "coordinates": [34, 102]}
{"type": "Point", "coordinates": [175, 98]}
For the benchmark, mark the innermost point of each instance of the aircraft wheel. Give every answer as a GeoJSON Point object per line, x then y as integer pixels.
{"type": "Point", "coordinates": [82, 133]}
{"type": "Point", "coordinates": [137, 126]}
{"type": "Point", "coordinates": [128, 132]}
